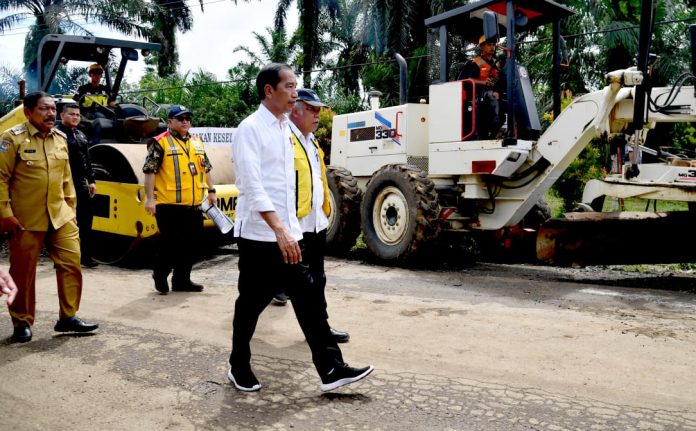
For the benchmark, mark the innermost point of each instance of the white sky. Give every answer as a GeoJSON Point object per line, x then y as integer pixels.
{"type": "Point", "coordinates": [208, 46]}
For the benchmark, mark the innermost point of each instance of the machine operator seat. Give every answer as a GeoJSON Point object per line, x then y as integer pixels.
{"type": "Point", "coordinates": [526, 115]}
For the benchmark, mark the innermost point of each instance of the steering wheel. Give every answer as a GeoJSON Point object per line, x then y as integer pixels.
{"type": "Point", "coordinates": [101, 108]}
{"type": "Point", "coordinates": [155, 109]}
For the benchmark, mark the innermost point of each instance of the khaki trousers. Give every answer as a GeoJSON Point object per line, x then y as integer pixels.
{"type": "Point", "coordinates": [63, 247]}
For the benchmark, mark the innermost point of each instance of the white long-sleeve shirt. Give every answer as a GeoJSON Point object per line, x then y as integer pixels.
{"type": "Point", "coordinates": [316, 220]}
{"type": "Point", "coordinates": [264, 162]}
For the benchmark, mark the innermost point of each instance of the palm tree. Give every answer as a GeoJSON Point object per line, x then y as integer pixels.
{"type": "Point", "coordinates": [9, 91]}
{"type": "Point", "coordinates": [310, 11]}
{"type": "Point", "coordinates": [70, 16]}
{"type": "Point", "coordinates": [350, 49]}
{"type": "Point", "coordinates": [168, 16]}
{"type": "Point", "coordinates": [276, 49]}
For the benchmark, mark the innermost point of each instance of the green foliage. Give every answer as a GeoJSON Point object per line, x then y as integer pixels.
{"type": "Point", "coordinates": [344, 104]}
{"type": "Point", "coordinates": [685, 135]}
{"type": "Point", "coordinates": [383, 76]}
{"type": "Point", "coordinates": [555, 203]}
{"type": "Point", "coordinates": [274, 49]}
{"type": "Point", "coordinates": [9, 89]}
{"type": "Point", "coordinates": [130, 17]}
{"type": "Point", "coordinates": [323, 132]}
{"type": "Point", "coordinates": [637, 204]}
{"type": "Point", "coordinates": [585, 167]}
{"type": "Point", "coordinates": [212, 104]}
{"type": "Point", "coordinates": [67, 80]}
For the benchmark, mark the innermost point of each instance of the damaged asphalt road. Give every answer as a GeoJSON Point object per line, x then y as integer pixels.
{"type": "Point", "coordinates": [480, 347]}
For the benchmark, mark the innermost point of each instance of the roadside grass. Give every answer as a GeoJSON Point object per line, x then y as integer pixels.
{"type": "Point", "coordinates": [615, 204]}
{"type": "Point", "coordinates": [665, 267]}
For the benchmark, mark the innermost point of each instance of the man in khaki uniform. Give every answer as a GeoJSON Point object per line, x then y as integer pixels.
{"type": "Point", "coordinates": [37, 207]}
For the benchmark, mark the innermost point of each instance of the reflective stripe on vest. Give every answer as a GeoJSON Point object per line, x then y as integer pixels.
{"type": "Point", "coordinates": [485, 69]}
{"type": "Point", "coordinates": [177, 171]}
{"type": "Point", "coordinates": [172, 182]}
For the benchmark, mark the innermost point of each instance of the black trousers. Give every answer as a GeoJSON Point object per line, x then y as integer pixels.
{"type": "Point", "coordinates": [178, 244]}
{"type": "Point", "coordinates": [262, 273]}
{"type": "Point", "coordinates": [313, 255]}
{"type": "Point", "coordinates": [84, 214]}
{"type": "Point", "coordinates": [488, 116]}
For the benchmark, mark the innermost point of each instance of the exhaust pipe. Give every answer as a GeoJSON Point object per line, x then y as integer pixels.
{"type": "Point", "coordinates": [403, 78]}
{"type": "Point", "coordinates": [692, 31]}
{"type": "Point", "coordinates": [22, 92]}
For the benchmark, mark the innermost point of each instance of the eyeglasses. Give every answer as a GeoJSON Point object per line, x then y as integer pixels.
{"type": "Point", "coordinates": [316, 110]}
{"type": "Point", "coordinates": [182, 119]}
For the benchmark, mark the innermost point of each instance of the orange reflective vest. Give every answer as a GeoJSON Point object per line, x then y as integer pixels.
{"type": "Point", "coordinates": [485, 69]}
{"type": "Point", "coordinates": [303, 178]}
{"type": "Point", "coordinates": [180, 179]}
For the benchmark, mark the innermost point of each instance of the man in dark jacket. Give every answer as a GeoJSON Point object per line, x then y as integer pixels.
{"type": "Point", "coordinates": [83, 178]}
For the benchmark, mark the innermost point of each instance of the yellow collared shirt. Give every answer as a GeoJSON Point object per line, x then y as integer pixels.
{"type": "Point", "coordinates": [35, 180]}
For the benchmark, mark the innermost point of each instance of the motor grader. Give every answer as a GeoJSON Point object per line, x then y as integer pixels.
{"type": "Point", "coordinates": [417, 172]}
{"type": "Point", "coordinates": [121, 222]}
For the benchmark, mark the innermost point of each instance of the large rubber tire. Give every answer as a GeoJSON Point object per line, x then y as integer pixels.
{"type": "Point", "coordinates": [399, 212]}
{"type": "Point", "coordinates": [344, 220]}
{"type": "Point", "coordinates": [116, 249]}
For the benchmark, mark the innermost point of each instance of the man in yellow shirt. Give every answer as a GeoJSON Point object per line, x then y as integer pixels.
{"type": "Point", "coordinates": [37, 207]}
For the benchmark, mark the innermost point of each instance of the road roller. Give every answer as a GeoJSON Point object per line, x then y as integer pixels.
{"type": "Point", "coordinates": [121, 226]}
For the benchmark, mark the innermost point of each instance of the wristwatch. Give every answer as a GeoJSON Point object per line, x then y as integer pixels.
{"type": "Point", "coordinates": [211, 191]}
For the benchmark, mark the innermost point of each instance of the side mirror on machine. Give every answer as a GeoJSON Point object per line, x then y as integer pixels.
{"type": "Point", "coordinates": [490, 26]}
{"type": "Point", "coordinates": [129, 53]}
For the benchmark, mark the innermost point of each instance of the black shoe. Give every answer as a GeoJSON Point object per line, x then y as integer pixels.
{"type": "Point", "coordinates": [340, 336]}
{"type": "Point", "coordinates": [189, 286]}
{"type": "Point", "coordinates": [342, 375]}
{"type": "Point", "coordinates": [244, 380]}
{"type": "Point", "coordinates": [74, 324]}
{"type": "Point", "coordinates": [21, 334]}
{"type": "Point", "coordinates": [89, 263]}
{"type": "Point", "coordinates": [161, 284]}
{"type": "Point", "coordinates": [280, 299]}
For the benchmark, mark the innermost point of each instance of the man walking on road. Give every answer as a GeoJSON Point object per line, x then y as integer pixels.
{"type": "Point", "coordinates": [37, 207]}
{"type": "Point", "coordinates": [313, 206]}
{"type": "Point", "coordinates": [83, 178]}
{"type": "Point", "coordinates": [270, 237]}
{"type": "Point", "coordinates": [177, 179]}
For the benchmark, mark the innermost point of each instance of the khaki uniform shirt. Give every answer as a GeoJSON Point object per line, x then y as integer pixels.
{"type": "Point", "coordinates": [35, 180]}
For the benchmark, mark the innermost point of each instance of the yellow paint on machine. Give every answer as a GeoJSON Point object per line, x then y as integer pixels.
{"type": "Point", "coordinates": [120, 208]}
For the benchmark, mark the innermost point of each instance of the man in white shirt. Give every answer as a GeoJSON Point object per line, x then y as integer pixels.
{"type": "Point", "coordinates": [270, 237]}
{"type": "Point", "coordinates": [313, 206]}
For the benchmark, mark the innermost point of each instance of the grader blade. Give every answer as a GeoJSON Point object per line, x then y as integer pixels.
{"type": "Point", "coordinates": [617, 238]}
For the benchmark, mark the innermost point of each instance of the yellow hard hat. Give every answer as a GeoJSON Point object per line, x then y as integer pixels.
{"type": "Point", "coordinates": [95, 67]}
